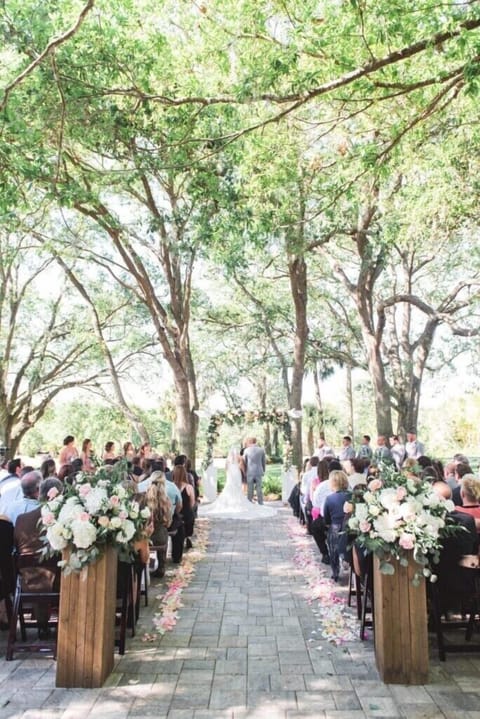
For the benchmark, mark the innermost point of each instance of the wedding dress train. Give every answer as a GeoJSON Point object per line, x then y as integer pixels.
{"type": "Point", "coordinates": [231, 503]}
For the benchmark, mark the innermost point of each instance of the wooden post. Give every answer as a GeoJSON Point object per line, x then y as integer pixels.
{"type": "Point", "coordinates": [401, 640]}
{"type": "Point", "coordinates": [86, 629]}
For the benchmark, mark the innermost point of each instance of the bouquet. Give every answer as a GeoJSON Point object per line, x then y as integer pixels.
{"type": "Point", "coordinates": [399, 515]}
{"type": "Point", "coordinates": [94, 512]}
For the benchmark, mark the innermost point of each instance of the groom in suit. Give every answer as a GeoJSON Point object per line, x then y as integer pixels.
{"type": "Point", "coordinates": [254, 458]}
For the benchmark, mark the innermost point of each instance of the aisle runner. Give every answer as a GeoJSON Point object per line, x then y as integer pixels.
{"type": "Point", "coordinates": [338, 623]}
{"type": "Point", "coordinates": [178, 578]}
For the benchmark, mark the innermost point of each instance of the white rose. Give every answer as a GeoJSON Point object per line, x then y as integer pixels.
{"type": "Point", "coordinates": [361, 511]}
{"type": "Point", "coordinates": [145, 513]}
{"type": "Point", "coordinates": [55, 537]}
{"type": "Point", "coordinates": [84, 533]}
{"type": "Point", "coordinates": [115, 522]}
{"type": "Point", "coordinates": [95, 499]}
{"type": "Point", "coordinates": [374, 510]}
{"type": "Point", "coordinates": [388, 498]}
{"type": "Point", "coordinates": [128, 529]}
{"type": "Point", "coordinates": [70, 511]}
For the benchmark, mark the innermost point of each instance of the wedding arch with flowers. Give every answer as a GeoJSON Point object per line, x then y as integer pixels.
{"type": "Point", "coordinates": [239, 417]}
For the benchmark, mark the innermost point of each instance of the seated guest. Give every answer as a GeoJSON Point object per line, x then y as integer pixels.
{"type": "Point", "coordinates": [334, 516]}
{"type": "Point", "coordinates": [317, 527]}
{"type": "Point", "coordinates": [453, 577]}
{"type": "Point", "coordinates": [470, 494]}
{"type": "Point", "coordinates": [461, 469]}
{"type": "Point", "coordinates": [161, 517]}
{"type": "Point", "coordinates": [27, 541]}
{"type": "Point", "coordinates": [10, 489]}
{"type": "Point", "coordinates": [176, 524]}
{"type": "Point", "coordinates": [30, 484]}
{"type": "Point", "coordinates": [188, 501]}
{"type": "Point", "coordinates": [356, 473]}
{"type": "Point", "coordinates": [48, 468]}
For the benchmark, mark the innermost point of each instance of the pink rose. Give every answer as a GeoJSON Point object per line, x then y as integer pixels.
{"type": "Point", "coordinates": [84, 489]}
{"type": "Point", "coordinates": [123, 514]}
{"type": "Point", "coordinates": [401, 493]}
{"type": "Point", "coordinates": [365, 526]}
{"type": "Point", "coordinates": [375, 484]}
{"type": "Point", "coordinates": [84, 517]}
{"type": "Point", "coordinates": [52, 493]}
{"type": "Point", "coordinates": [48, 518]}
{"type": "Point", "coordinates": [407, 541]}
{"type": "Point", "coordinates": [114, 501]}
{"type": "Point", "coordinates": [103, 521]}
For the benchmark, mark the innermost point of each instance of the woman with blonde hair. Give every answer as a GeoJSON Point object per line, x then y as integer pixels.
{"type": "Point", "coordinates": [470, 494]}
{"type": "Point", "coordinates": [161, 517]}
{"type": "Point", "coordinates": [334, 517]}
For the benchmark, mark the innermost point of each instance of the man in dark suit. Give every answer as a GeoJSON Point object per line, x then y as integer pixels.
{"type": "Point", "coordinates": [37, 575]}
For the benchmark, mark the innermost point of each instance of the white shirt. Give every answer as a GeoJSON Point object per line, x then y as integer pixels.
{"type": "Point", "coordinates": [325, 451]}
{"type": "Point", "coordinates": [320, 495]}
{"type": "Point", "coordinates": [414, 449]}
{"type": "Point", "coordinates": [307, 481]}
{"type": "Point", "coordinates": [10, 495]}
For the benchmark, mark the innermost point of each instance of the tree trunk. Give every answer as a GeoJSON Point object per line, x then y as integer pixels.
{"type": "Point", "coordinates": [351, 426]}
{"type": "Point", "coordinates": [298, 284]}
{"type": "Point", "coordinates": [319, 399]}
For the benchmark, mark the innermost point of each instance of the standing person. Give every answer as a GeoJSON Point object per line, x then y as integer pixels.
{"type": "Point", "coordinates": [413, 447]}
{"type": "Point", "coordinates": [255, 463]}
{"type": "Point", "coordinates": [86, 455]}
{"type": "Point", "coordinates": [68, 452]}
{"type": "Point", "coordinates": [382, 453]}
{"type": "Point", "coordinates": [365, 450]}
{"type": "Point", "coordinates": [347, 451]}
{"type": "Point", "coordinates": [398, 451]}
{"type": "Point", "coordinates": [128, 451]}
{"type": "Point", "coordinates": [109, 454]}
{"type": "Point", "coordinates": [323, 449]}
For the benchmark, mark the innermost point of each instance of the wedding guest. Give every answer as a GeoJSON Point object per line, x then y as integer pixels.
{"type": "Point", "coordinates": [44, 575]}
{"type": "Point", "coordinates": [109, 452]}
{"type": "Point", "coordinates": [347, 451]}
{"type": "Point", "coordinates": [188, 501]}
{"type": "Point", "coordinates": [398, 451]}
{"type": "Point", "coordinates": [470, 494]}
{"type": "Point", "coordinates": [69, 452]}
{"type": "Point", "coordinates": [161, 513]}
{"type": "Point", "coordinates": [324, 450]}
{"type": "Point", "coordinates": [86, 455]}
{"type": "Point", "coordinates": [461, 469]}
{"type": "Point", "coordinates": [382, 452]}
{"type": "Point", "coordinates": [365, 451]}
{"type": "Point", "coordinates": [128, 451]}
{"type": "Point", "coordinates": [48, 468]}
{"type": "Point", "coordinates": [334, 515]}
{"type": "Point", "coordinates": [356, 472]}
{"type": "Point", "coordinates": [176, 528]}
{"type": "Point", "coordinates": [413, 447]}
{"type": "Point", "coordinates": [30, 484]}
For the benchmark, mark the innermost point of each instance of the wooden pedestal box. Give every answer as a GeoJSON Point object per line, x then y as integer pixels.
{"type": "Point", "coordinates": [401, 639]}
{"type": "Point", "coordinates": [86, 630]}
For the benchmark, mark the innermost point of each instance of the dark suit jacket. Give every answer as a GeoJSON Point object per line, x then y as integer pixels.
{"type": "Point", "coordinates": [37, 575]}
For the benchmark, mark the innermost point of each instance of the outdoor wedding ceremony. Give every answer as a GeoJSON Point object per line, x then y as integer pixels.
{"type": "Point", "coordinates": [239, 341]}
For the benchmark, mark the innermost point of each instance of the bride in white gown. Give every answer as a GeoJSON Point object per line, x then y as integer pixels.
{"type": "Point", "coordinates": [231, 502]}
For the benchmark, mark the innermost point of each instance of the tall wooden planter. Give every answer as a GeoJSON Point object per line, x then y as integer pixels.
{"type": "Point", "coordinates": [86, 631]}
{"type": "Point", "coordinates": [401, 640]}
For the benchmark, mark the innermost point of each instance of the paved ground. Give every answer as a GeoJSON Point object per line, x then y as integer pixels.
{"type": "Point", "coordinates": [242, 648]}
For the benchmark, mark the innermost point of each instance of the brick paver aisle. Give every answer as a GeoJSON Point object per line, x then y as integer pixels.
{"type": "Point", "coordinates": [242, 648]}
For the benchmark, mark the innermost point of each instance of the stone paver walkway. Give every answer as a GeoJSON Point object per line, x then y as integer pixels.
{"type": "Point", "coordinates": [242, 648]}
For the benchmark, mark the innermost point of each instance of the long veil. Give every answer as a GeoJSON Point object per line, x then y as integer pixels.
{"type": "Point", "coordinates": [232, 502]}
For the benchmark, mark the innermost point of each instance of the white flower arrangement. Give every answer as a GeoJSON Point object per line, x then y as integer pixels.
{"type": "Point", "coordinates": [94, 512]}
{"type": "Point", "coordinates": [399, 516]}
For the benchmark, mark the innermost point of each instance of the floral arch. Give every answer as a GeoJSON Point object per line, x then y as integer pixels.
{"type": "Point", "coordinates": [239, 417]}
